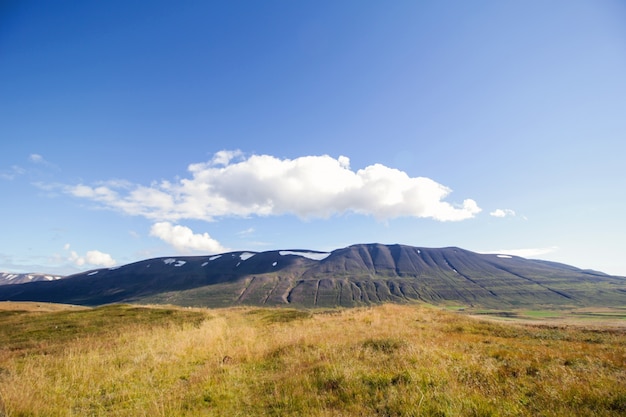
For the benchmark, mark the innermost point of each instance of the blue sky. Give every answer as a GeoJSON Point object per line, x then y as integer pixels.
{"type": "Point", "coordinates": [133, 129]}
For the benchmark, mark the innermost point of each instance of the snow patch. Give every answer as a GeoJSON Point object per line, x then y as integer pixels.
{"type": "Point", "coordinates": [114, 268]}
{"type": "Point", "coordinates": [214, 257]}
{"type": "Point", "coordinates": [246, 255]}
{"type": "Point", "coordinates": [238, 263]}
{"type": "Point", "coordinates": [204, 264]}
{"type": "Point", "coordinates": [93, 273]}
{"type": "Point", "coordinates": [174, 261]}
{"type": "Point", "coordinates": [316, 256]}
{"type": "Point", "coordinates": [504, 256]}
{"type": "Point", "coordinates": [274, 264]}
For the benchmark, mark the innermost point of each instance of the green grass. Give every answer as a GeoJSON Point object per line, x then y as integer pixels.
{"type": "Point", "coordinates": [24, 330]}
{"type": "Point", "coordinates": [541, 314]}
{"type": "Point", "coordinates": [388, 360]}
{"type": "Point", "coordinates": [282, 315]}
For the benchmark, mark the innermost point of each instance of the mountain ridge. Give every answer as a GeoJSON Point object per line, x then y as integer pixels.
{"type": "Point", "coordinates": [12, 278]}
{"type": "Point", "coordinates": [360, 274]}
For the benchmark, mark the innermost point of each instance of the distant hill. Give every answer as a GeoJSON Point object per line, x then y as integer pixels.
{"type": "Point", "coordinates": [357, 275]}
{"type": "Point", "coordinates": [7, 278]}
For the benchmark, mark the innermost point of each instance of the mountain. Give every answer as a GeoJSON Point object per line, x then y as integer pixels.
{"type": "Point", "coordinates": [357, 275]}
{"type": "Point", "coordinates": [7, 278]}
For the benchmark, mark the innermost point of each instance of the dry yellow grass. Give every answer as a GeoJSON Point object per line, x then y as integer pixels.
{"type": "Point", "coordinates": [388, 360]}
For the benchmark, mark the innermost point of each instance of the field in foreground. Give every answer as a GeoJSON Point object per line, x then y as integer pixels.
{"type": "Point", "coordinates": [389, 360]}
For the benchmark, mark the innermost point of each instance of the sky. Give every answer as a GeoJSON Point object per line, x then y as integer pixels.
{"type": "Point", "coordinates": [139, 129]}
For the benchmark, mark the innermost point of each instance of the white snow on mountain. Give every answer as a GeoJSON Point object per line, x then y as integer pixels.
{"type": "Point", "coordinates": [174, 261]}
{"type": "Point", "coordinates": [7, 278]}
{"type": "Point", "coordinates": [316, 256]}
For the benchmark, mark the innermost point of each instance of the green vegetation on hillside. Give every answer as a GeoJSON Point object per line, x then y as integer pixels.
{"type": "Point", "coordinates": [388, 360]}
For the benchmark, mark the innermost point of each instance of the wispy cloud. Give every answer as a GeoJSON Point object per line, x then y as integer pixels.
{"type": "Point", "coordinates": [15, 170]}
{"type": "Point", "coordinates": [12, 173]}
{"type": "Point", "coordinates": [263, 185]}
{"type": "Point", "coordinates": [184, 240]}
{"type": "Point", "coordinates": [36, 158]}
{"type": "Point", "coordinates": [502, 213]}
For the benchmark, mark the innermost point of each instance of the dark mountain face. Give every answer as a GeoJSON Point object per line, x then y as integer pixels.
{"type": "Point", "coordinates": [352, 276]}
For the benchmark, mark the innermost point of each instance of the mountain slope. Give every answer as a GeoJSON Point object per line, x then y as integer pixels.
{"type": "Point", "coordinates": [356, 275]}
{"type": "Point", "coordinates": [7, 278]}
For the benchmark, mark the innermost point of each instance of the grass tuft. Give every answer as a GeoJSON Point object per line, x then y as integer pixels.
{"type": "Point", "coordinates": [387, 346]}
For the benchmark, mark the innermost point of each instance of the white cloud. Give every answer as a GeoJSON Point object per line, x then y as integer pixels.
{"type": "Point", "coordinates": [502, 213]}
{"type": "Point", "coordinates": [184, 240]}
{"type": "Point", "coordinates": [224, 157]}
{"type": "Point", "coordinates": [36, 158]}
{"type": "Point", "coordinates": [95, 257]}
{"type": "Point", "coordinates": [263, 185]}
{"type": "Point", "coordinates": [344, 161]}
{"type": "Point", "coordinates": [92, 257]}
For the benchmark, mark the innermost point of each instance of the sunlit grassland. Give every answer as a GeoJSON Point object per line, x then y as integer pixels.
{"type": "Point", "coordinates": [389, 360]}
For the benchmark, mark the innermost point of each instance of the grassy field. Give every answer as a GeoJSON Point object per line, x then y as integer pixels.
{"type": "Point", "coordinates": [597, 316]}
{"type": "Point", "coordinates": [389, 360]}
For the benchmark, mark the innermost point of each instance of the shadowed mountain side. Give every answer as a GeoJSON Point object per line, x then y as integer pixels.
{"type": "Point", "coordinates": [352, 276]}
{"type": "Point", "coordinates": [142, 279]}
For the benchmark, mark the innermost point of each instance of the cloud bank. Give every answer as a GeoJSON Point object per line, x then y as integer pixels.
{"type": "Point", "coordinates": [264, 185]}
{"type": "Point", "coordinates": [184, 240]}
